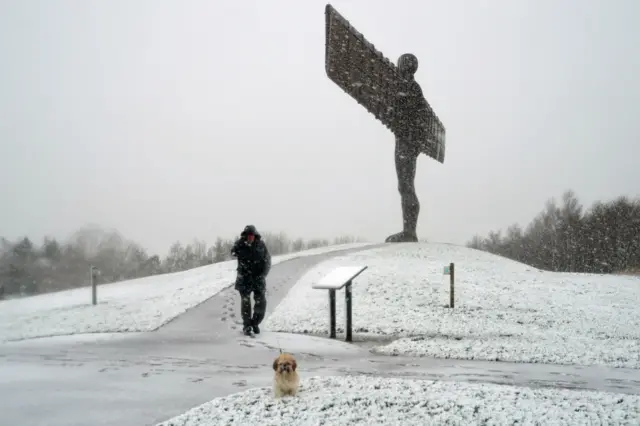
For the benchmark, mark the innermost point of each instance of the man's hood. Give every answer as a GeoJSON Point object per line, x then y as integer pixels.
{"type": "Point", "coordinates": [250, 229]}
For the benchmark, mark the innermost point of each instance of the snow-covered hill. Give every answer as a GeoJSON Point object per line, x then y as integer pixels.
{"type": "Point", "coordinates": [504, 310]}
{"type": "Point", "coordinates": [135, 305]}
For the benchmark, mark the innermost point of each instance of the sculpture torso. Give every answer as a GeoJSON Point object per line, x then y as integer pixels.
{"type": "Point", "coordinates": [409, 102]}
{"type": "Point", "coordinates": [409, 99]}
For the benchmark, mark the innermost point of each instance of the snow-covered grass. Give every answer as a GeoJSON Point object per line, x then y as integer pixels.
{"type": "Point", "coordinates": [136, 305]}
{"type": "Point", "coordinates": [504, 310]}
{"type": "Point", "coordinates": [362, 400]}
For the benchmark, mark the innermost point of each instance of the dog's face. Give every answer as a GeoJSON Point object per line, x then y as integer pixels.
{"type": "Point", "coordinates": [284, 363]}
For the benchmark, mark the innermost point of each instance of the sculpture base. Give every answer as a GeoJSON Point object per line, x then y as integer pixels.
{"type": "Point", "coordinates": [402, 237]}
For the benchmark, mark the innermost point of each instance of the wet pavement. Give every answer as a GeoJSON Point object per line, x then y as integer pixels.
{"type": "Point", "coordinates": [144, 378]}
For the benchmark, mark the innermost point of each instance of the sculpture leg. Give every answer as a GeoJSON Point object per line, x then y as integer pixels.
{"type": "Point", "coordinates": [406, 156]}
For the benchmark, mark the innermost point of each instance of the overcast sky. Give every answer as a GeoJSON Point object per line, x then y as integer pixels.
{"type": "Point", "coordinates": [169, 120]}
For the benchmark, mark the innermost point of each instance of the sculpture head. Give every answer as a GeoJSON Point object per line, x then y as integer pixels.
{"type": "Point", "coordinates": [407, 65]}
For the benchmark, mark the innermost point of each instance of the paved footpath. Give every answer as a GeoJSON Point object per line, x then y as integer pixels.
{"type": "Point", "coordinates": [143, 378]}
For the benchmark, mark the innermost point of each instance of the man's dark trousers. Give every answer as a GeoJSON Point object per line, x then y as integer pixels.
{"type": "Point", "coordinates": [258, 288]}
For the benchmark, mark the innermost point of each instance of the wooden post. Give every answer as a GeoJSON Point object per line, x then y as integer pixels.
{"type": "Point", "coordinates": [94, 290]}
{"type": "Point", "coordinates": [451, 285]}
{"type": "Point", "coordinates": [332, 314]}
{"type": "Point", "coordinates": [348, 298]}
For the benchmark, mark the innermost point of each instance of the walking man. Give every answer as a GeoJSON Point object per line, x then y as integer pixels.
{"type": "Point", "coordinates": [254, 263]}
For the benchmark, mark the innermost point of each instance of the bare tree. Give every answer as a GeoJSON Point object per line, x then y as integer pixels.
{"type": "Point", "coordinates": [604, 239]}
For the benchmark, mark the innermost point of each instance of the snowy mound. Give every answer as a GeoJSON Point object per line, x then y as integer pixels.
{"type": "Point", "coordinates": [504, 310]}
{"type": "Point", "coordinates": [362, 400]}
{"type": "Point", "coordinates": [135, 305]}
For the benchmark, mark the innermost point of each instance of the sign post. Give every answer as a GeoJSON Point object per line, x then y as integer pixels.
{"type": "Point", "coordinates": [94, 272]}
{"type": "Point", "coordinates": [450, 270]}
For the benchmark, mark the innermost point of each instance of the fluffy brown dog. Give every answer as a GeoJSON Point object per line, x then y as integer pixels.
{"type": "Point", "coordinates": [285, 380]}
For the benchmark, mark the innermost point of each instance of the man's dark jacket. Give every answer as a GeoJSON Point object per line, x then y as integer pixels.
{"type": "Point", "coordinates": [254, 261]}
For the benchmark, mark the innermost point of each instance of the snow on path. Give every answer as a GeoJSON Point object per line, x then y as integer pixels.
{"type": "Point", "coordinates": [362, 400]}
{"type": "Point", "coordinates": [135, 305]}
{"type": "Point", "coordinates": [296, 343]}
{"type": "Point", "coordinates": [504, 310]}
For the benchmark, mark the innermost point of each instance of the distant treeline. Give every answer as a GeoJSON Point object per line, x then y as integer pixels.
{"type": "Point", "coordinates": [27, 268]}
{"type": "Point", "coordinates": [603, 239]}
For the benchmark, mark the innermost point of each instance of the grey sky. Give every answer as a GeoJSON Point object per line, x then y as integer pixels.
{"type": "Point", "coordinates": [170, 120]}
